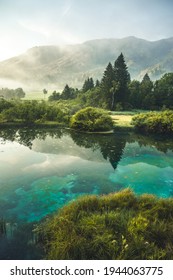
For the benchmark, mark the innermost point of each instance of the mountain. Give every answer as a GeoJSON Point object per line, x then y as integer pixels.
{"type": "Point", "coordinates": [54, 66]}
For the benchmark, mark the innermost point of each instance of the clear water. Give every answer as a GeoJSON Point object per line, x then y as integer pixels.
{"type": "Point", "coordinates": [41, 170]}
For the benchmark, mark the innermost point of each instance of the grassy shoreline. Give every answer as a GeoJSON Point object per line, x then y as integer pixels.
{"type": "Point", "coordinates": [33, 125]}
{"type": "Point", "coordinates": [121, 122]}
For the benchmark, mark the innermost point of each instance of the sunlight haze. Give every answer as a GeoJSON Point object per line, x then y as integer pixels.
{"type": "Point", "coordinates": [25, 24]}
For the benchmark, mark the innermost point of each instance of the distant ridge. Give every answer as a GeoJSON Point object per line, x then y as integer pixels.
{"type": "Point", "coordinates": [54, 66]}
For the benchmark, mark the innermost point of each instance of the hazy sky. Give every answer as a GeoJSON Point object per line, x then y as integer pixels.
{"type": "Point", "coordinates": [28, 23]}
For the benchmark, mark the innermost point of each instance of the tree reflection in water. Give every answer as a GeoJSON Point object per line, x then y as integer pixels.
{"type": "Point", "coordinates": [17, 241]}
{"type": "Point", "coordinates": [111, 146]}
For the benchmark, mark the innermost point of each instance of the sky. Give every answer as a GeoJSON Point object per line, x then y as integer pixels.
{"type": "Point", "coordinates": [28, 23]}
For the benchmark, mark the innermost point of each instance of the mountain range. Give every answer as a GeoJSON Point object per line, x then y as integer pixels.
{"type": "Point", "coordinates": [53, 67]}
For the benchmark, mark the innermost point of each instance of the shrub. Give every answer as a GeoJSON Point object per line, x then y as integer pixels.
{"type": "Point", "coordinates": [4, 104]}
{"type": "Point", "coordinates": [91, 119]}
{"type": "Point", "coordinates": [115, 226]}
{"type": "Point", "coordinates": [30, 112]}
{"type": "Point", "coordinates": [154, 122]}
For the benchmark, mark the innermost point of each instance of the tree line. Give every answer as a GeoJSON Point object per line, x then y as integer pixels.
{"type": "Point", "coordinates": [116, 90]}
{"type": "Point", "coordinates": [7, 93]}
{"type": "Point", "coordinates": [29, 112]}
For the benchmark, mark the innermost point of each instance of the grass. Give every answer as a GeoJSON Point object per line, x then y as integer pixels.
{"type": "Point", "coordinates": [115, 226]}
{"type": "Point", "coordinates": [36, 95]}
{"type": "Point", "coordinates": [122, 121]}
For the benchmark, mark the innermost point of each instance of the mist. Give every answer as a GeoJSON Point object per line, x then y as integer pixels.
{"type": "Point", "coordinates": [52, 67]}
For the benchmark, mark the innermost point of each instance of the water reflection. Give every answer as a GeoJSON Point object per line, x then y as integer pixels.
{"type": "Point", "coordinates": [18, 241]}
{"type": "Point", "coordinates": [41, 170]}
{"type": "Point", "coordinates": [25, 136]}
{"type": "Point", "coordinates": [62, 164]}
{"type": "Point", "coordinates": [110, 146]}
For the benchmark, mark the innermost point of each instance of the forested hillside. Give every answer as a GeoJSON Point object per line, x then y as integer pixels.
{"type": "Point", "coordinates": [116, 90]}
{"type": "Point", "coordinates": [54, 66]}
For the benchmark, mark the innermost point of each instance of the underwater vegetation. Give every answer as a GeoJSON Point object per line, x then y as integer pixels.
{"type": "Point", "coordinates": [18, 241]}
{"type": "Point", "coordinates": [2, 227]}
{"type": "Point", "coordinates": [116, 226]}
{"type": "Point", "coordinates": [41, 170]}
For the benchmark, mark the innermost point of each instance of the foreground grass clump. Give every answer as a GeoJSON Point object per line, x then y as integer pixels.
{"type": "Point", "coordinates": [91, 119]}
{"type": "Point", "coordinates": [114, 226]}
{"type": "Point", "coordinates": [154, 122]}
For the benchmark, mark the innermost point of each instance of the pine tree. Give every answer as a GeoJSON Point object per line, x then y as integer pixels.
{"type": "Point", "coordinates": [68, 93]}
{"type": "Point", "coordinates": [88, 84]}
{"type": "Point", "coordinates": [97, 83]}
{"type": "Point", "coordinates": [146, 88]}
{"type": "Point", "coordinates": [121, 76]}
{"type": "Point", "coordinates": [106, 86]}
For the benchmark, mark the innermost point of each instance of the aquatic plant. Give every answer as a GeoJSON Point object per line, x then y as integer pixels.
{"type": "Point", "coordinates": [2, 227]}
{"type": "Point", "coordinates": [115, 226]}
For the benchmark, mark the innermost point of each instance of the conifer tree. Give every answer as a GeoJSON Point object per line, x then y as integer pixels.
{"type": "Point", "coordinates": [106, 85]}
{"type": "Point", "coordinates": [68, 93]}
{"type": "Point", "coordinates": [146, 93]}
{"type": "Point", "coordinates": [121, 76]}
{"type": "Point", "coordinates": [97, 83]}
{"type": "Point", "coordinates": [88, 84]}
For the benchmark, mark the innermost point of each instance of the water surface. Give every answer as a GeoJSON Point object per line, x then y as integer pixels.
{"type": "Point", "coordinates": [42, 170]}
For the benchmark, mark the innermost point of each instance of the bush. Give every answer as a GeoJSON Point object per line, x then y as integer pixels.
{"type": "Point", "coordinates": [91, 119]}
{"type": "Point", "coordinates": [30, 112]}
{"type": "Point", "coordinates": [4, 105]}
{"type": "Point", "coordinates": [115, 226]}
{"type": "Point", "coordinates": [154, 122]}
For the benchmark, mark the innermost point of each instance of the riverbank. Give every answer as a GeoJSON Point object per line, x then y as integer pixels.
{"type": "Point", "coordinates": [120, 121]}
{"type": "Point", "coordinates": [47, 124]}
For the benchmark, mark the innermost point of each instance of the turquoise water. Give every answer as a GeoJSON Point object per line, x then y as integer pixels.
{"type": "Point", "coordinates": [40, 170]}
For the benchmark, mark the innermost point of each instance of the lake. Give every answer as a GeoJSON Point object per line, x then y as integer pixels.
{"type": "Point", "coordinates": [42, 170]}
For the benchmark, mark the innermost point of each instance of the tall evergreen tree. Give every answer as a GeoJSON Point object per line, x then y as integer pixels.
{"type": "Point", "coordinates": [97, 83]}
{"type": "Point", "coordinates": [121, 76]}
{"type": "Point", "coordinates": [68, 93]}
{"type": "Point", "coordinates": [146, 93]}
{"type": "Point", "coordinates": [106, 86]}
{"type": "Point", "coordinates": [88, 84]}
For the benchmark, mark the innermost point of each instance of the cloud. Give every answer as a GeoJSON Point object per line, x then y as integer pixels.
{"type": "Point", "coordinates": [25, 24]}
{"type": "Point", "coordinates": [52, 33]}
{"type": "Point", "coordinates": [36, 27]}
{"type": "Point", "coordinates": [59, 161]}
